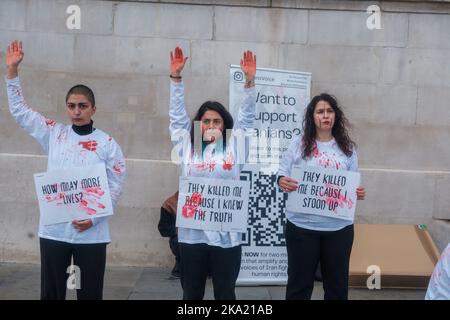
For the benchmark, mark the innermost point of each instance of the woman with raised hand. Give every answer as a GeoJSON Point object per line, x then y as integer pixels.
{"type": "Point", "coordinates": [216, 157]}
{"type": "Point", "coordinates": [69, 146]}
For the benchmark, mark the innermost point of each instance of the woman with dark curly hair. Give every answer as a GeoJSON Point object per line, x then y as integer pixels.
{"type": "Point", "coordinates": [311, 239]}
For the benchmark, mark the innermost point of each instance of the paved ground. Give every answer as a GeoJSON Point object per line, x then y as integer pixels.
{"type": "Point", "coordinates": [21, 281]}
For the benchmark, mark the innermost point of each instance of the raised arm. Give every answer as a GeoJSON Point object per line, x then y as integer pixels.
{"type": "Point", "coordinates": [31, 121]}
{"type": "Point", "coordinates": [246, 115]}
{"type": "Point", "coordinates": [179, 121]}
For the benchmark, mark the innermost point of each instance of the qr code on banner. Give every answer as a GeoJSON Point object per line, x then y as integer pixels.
{"type": "Point", "coordinates": [266, 217]}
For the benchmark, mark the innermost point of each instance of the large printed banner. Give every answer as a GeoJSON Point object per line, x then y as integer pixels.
{"type": "Point", "coordinates": [73, 194]}
{"type": "Point", "coordinates": [281, 99]}
{"type": "Point", "coordinates": [324, 192]}
{"type": "Point", "coordinates": [212, 204]}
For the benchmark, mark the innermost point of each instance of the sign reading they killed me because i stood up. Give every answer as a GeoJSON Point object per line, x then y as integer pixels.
{"type": "Point", "coordinates": [213, 204]}
{"type": "Point", "coordinates": [324, 192]}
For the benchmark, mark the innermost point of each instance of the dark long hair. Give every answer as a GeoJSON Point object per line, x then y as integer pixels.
{"type": "Point", "coordinates": [220, 109]}
{"type": "Point", "coordinates": [339, 130]}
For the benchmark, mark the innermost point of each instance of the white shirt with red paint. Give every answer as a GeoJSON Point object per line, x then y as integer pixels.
{"type": "Point", "coordinates": [213, 164]}
{"type": "Point", "coordinates": [327, 155]}
{"type": "Point", "coordinates": [66, 149]}
{"type": "Point", "coordinates": [439, 285]}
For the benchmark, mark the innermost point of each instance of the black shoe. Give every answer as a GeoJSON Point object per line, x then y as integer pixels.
{"type": "Point", "coordinates": [176, 271]}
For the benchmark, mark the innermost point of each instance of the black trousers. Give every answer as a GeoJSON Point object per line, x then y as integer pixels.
{"type": "Point", "coordinates": [173, 243]}
{"type": "Point", "coordinates": [223, 263]}
{"type": "Point", "coordinates": [305, 249]}
{"type": "Point", "coordinates": [56, 258]}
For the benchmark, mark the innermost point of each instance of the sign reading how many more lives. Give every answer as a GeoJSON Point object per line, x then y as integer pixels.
{"type": "Point", "coordinates": [212, 204]}
{"type": "Point", "coordinates": [73, 194]}
{"type": "Point", "coordinates": [324, 192]}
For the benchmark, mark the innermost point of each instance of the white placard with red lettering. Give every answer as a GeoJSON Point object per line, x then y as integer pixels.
{"type": "Point", "coordinates": [76, 193]}
{"type": "Point", "coordinates": [213, 204]}
{"type": "Point", "coordinates": [324, 192]}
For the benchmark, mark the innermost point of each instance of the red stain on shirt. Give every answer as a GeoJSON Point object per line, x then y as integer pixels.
{"type": "Point", "coordinates": [50, 122]}
{"type": "Point", "coordinates": [316, 152]}
{"type": "Point", "coordinates": [62, 136]}
{"type": "Point", "coordinates": [90, 145]}
{"type": "Point", "coordinates": [118, 167]}
{"type": "Point", "coordinates": [228, 163]}
{"type": "Point", "coordinates": [204, 166]}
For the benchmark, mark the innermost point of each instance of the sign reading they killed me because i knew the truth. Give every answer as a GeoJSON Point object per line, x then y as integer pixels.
{"type": "Point", "coordinates": [213, 204]}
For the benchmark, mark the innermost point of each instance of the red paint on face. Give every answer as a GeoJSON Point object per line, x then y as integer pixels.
{"type": "Point", "coordinates": [90, 145]}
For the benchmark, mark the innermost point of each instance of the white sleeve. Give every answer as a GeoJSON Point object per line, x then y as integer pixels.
{"type": "Point", "coordinates": [115, 172]}
{"type": "Point", "coordinates": [289, 157]}
{"type": "Point", "coordinates": [353, 163]}
{"type": "Point", "coordinates": [439, 285]}
{"type": "Point", "coordinates": [31, 121]}
{"type": "Point", "coordinates": [242, 131]}
{"type": "Point", "coordinates": [180, 124]}
{"type": "Point", "coordinates": [246, 115]}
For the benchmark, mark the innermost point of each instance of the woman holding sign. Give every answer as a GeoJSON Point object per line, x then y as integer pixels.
{"type": "Point", "coordinates": [312, 238]}
{"type": "Point", "coordinates": [70, 146]}
{"type": "Point", "coordinates": [203, 250]}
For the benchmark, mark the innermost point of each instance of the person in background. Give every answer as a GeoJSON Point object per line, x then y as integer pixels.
{"type": "Point", "coordinates": [166, 227]}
